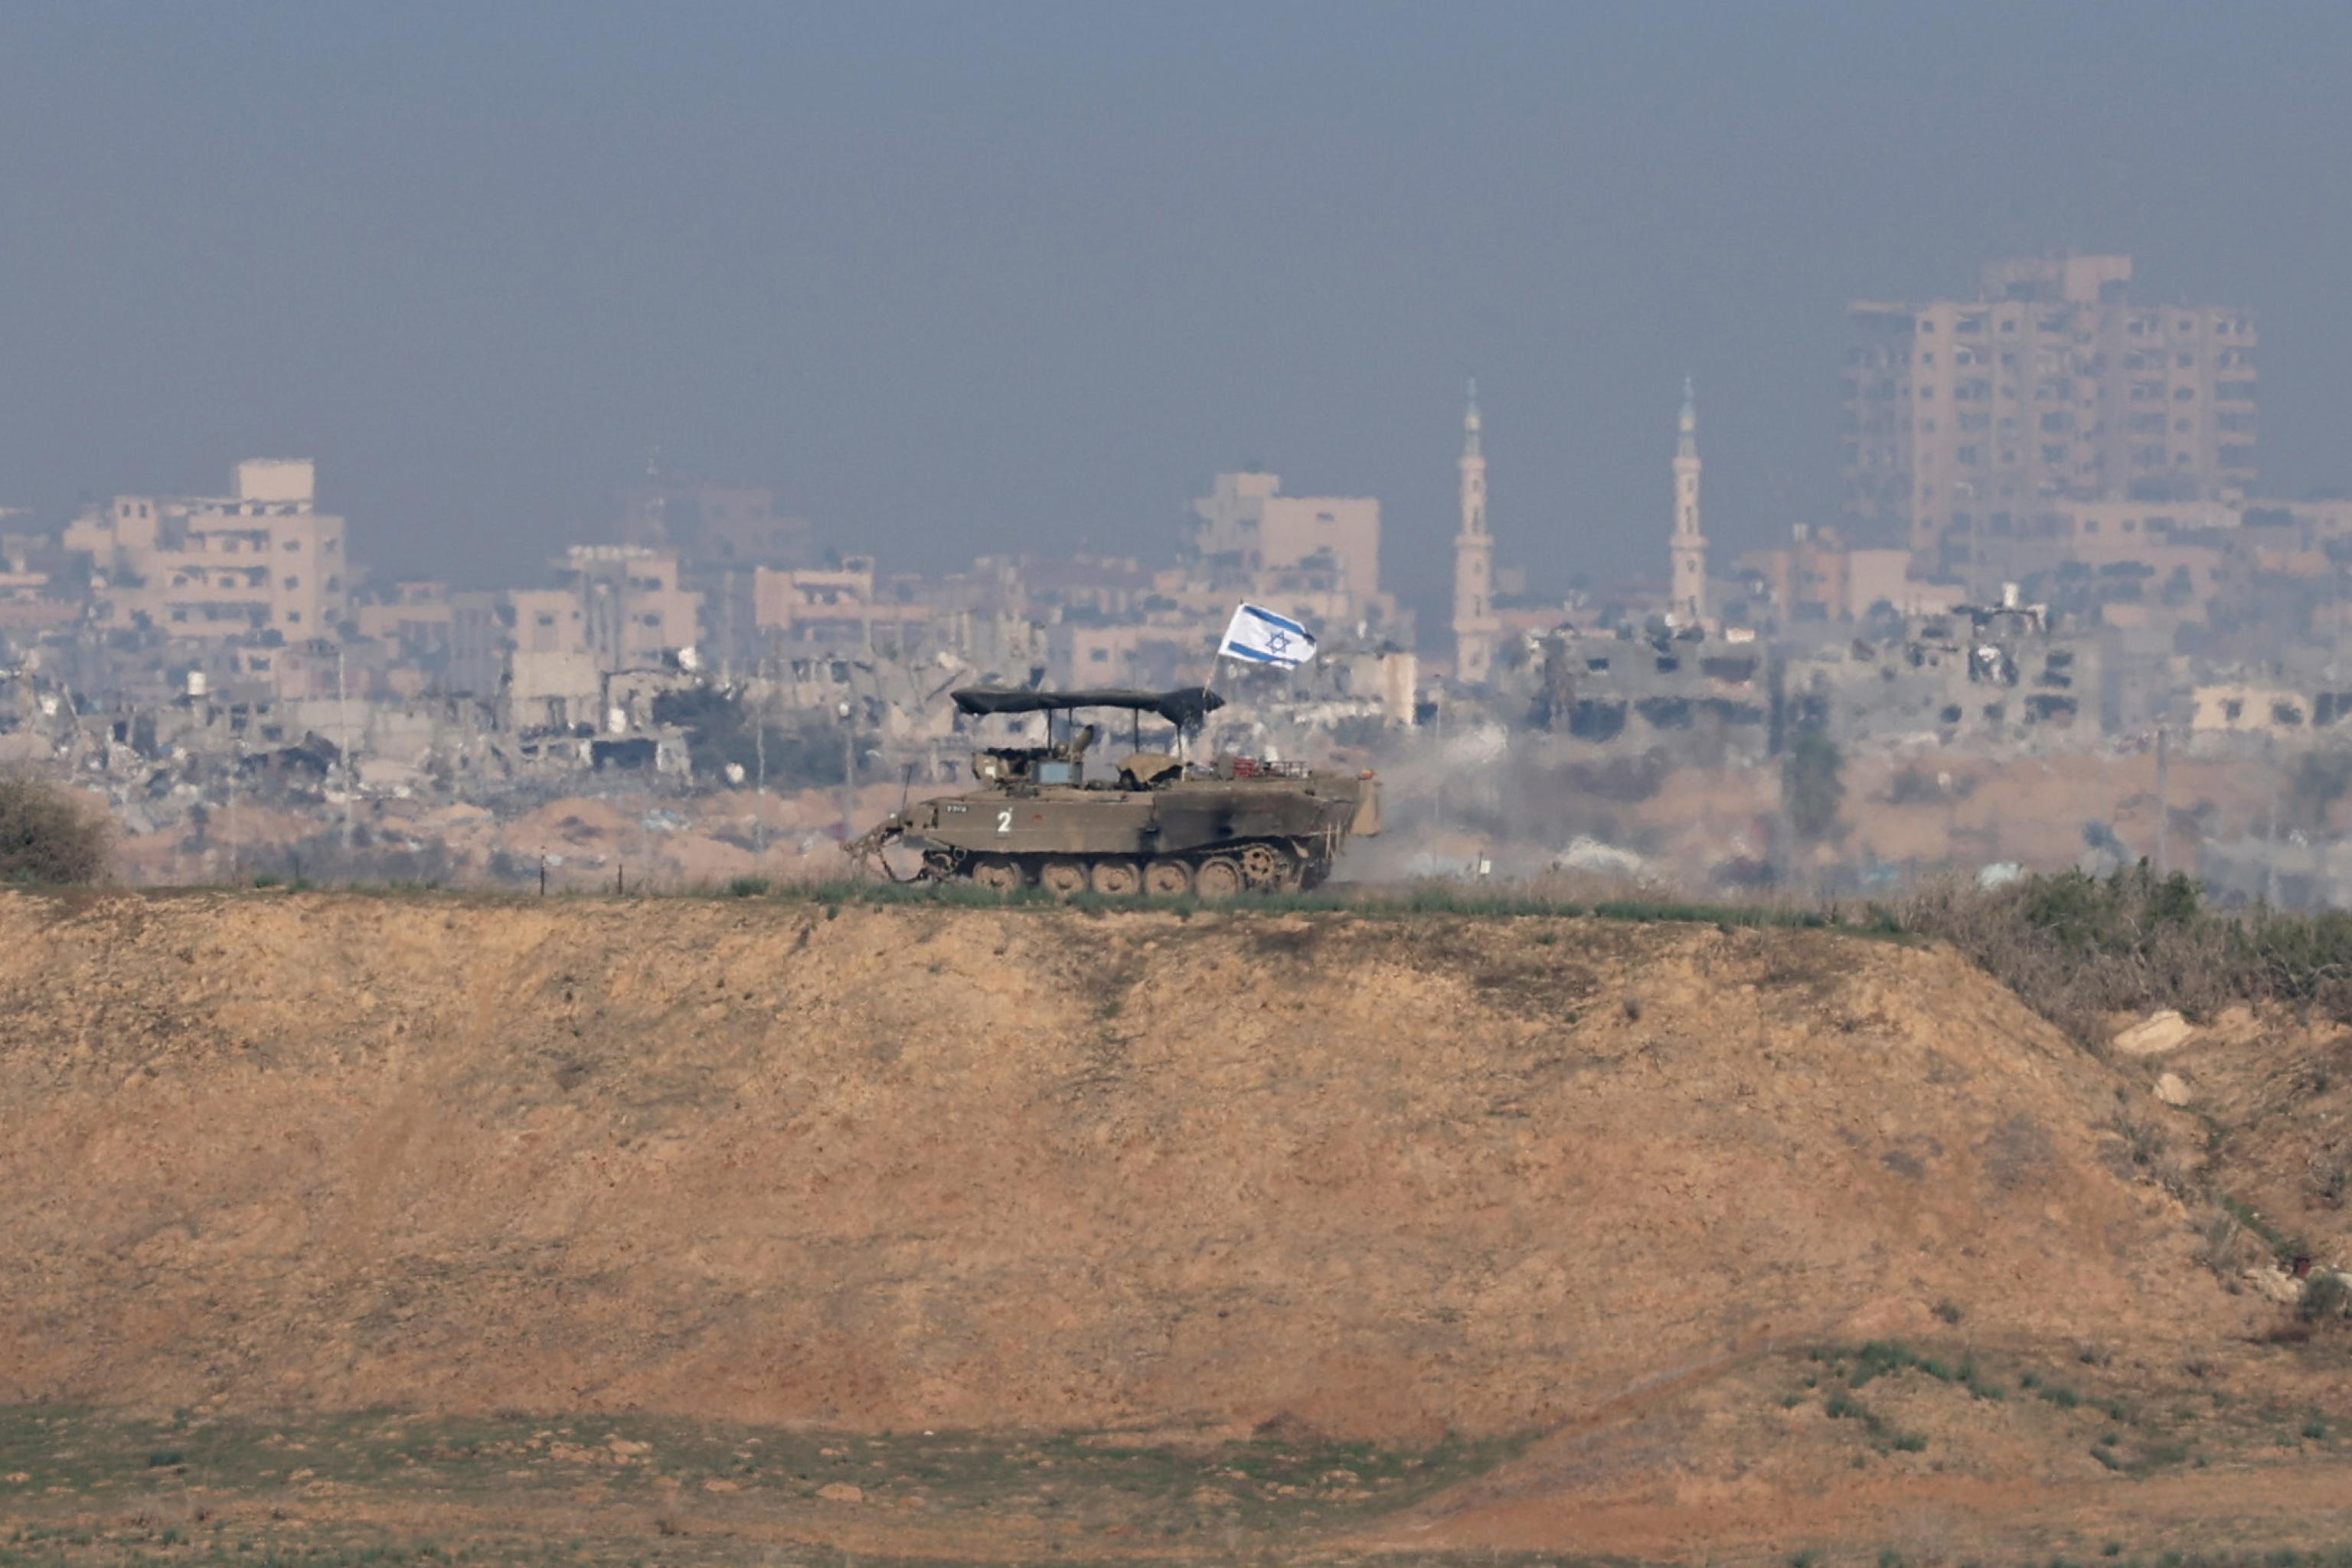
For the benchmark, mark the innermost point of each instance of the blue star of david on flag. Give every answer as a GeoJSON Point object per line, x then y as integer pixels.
{"type": "Point", "coordinates": [1260, 636]}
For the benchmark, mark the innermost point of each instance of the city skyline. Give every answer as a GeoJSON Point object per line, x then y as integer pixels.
{"type": "Point", "coordinates": [948, 288]}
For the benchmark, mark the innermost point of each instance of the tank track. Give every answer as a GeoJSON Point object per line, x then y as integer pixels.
{"type": "Point", "coordinates": [1253, 866]}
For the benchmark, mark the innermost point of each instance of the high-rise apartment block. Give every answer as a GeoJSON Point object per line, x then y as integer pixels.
{"type": "Point", "coordinates": [264, 559]}
{"type": "Point", "coordinates": [1316, 556]}
{"type": "Point", "coordinates": [633, 611]}
{"type": "Point", "coordinates": [544, 652]}
{"type": "Point", "coordinates": [1966, 420]}
{"type": "Point", "coordinates": [713, 525]}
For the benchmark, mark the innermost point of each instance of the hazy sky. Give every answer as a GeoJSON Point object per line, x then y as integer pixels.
{"type": "Point", "coordinates": [990, 277]}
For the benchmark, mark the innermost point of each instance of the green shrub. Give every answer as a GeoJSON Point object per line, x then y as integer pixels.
{"type": "Point", "coordinates": [1973, 1380]}
{"type": "Point", "coordinates": [1879, 1357]}
{"type": "Point", "coordinates": [1811, 787]}
{"type": "Point", "coordinates": [2077, 948]}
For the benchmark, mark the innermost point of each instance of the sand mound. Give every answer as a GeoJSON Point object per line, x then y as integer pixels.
{"type": "Point", "coordinates": [906, 1167]}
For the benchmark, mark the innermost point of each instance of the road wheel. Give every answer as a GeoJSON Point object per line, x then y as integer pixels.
{"type": "Point", "coordinates": [1063, 878]}
{"type": "Point", "coordinates": [1168, 878]}
{"type": "Point", "coordinates": [995, 873]}
{"type": "Point", "coordinates": [1218, 878]}
{"type": "Point", "coordinates": [1263, 866]}
{"type": "Point", "coordinates": [1116, 878]}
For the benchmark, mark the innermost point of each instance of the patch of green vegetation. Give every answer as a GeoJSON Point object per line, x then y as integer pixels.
{"type": "Point", "coordinates": [241, 1489]}
{"type": "Point", "coordinates": [1365, 899]}
{"type": "Point", "coordinates": [2281, 1243]}
{"type": "Point", "coordinates": [2155, 1456]}
{"type": "Point", "coordinates": [2325, 1296]}
{"type": "Point", "coordinates": [1371, 900]}
{"type": "Point", "coordinates": [1976, 1382]}
{"type": "Point", "coordinates": [2067, 1398]}
{"type": "Point", "coordinates": [2078, 948]}
{"type": "Point", "coordinates": [1843, 1406]}
{"type": "Point", "coordinates": [1881, 1358]}
{"type": "Point", "coordinates": [1860, 1366]}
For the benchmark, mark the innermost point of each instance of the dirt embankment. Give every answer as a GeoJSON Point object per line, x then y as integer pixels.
{"type": "Point", "coordinates": [894, 1168]}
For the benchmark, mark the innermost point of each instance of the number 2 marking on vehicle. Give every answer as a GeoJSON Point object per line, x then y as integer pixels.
{"type": "Point", "coordinates": [1005, 820]}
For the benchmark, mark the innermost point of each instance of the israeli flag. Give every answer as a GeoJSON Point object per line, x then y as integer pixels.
{"type": "Point", "coordinates": [1261, 637]}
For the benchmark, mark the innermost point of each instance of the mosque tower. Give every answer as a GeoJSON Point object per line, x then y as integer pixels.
{"type": "Point", "coordinates": [1475, 627]}
{"type": "Point", "coordinates": [1688, 550]}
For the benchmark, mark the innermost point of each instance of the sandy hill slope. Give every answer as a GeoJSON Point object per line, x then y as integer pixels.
{"type": "Point", "coordinates": [902, 1167]}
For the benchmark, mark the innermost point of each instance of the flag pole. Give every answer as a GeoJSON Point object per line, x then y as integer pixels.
{"type": "Point", "coordinates": [1215, 660]}
{"type": "Point", "coordinates": [1261, 636]}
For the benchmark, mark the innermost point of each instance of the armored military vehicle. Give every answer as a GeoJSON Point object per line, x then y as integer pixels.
{"type": "Point", "coordinates": [1150, 824]}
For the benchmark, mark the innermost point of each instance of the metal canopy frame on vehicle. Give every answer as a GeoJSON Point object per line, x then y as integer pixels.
{"type": "Point", "coordinates": [1185, 707]}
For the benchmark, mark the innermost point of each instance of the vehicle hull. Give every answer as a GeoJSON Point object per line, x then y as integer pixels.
{"type": "Point", "coordinates": [1272, 832]}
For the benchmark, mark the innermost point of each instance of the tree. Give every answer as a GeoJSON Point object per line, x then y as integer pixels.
{"type": "Point", "coordinates": [47, 835]}
{"type": "Point", "coordinates": [721, 728]}
{"type": "Point", "coordinates": [1554, 702]}
{"type": "Point", "coordinates": [2320, 780]}
{"type": "Point", "coordinates": [1810, 786]}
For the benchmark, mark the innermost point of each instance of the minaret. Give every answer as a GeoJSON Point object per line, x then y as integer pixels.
{"type": "Point", "coordinates": [1474, 624]}
{"type": "Point", "coordinates": [1689, 547]}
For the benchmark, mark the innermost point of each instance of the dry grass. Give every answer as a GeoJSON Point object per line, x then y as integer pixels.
{"type": "Point", "coordinates": [49, 835]}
